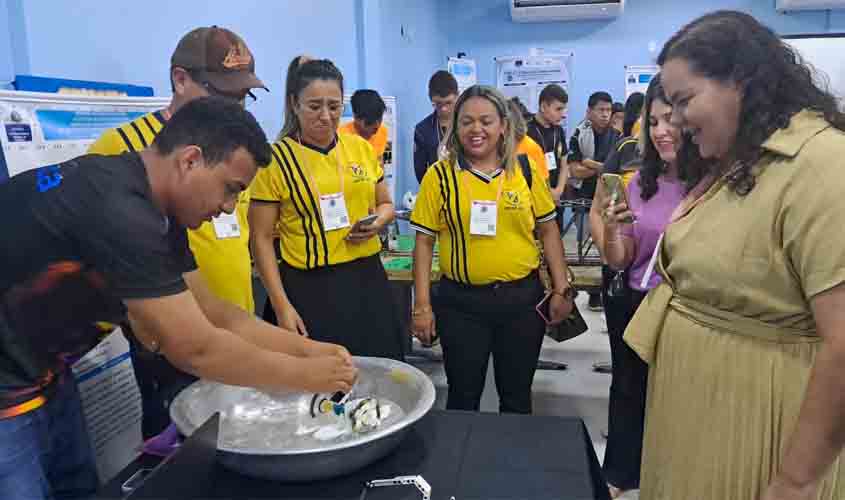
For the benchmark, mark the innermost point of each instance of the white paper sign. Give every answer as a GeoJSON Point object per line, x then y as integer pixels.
{"type": "Point", "coordinates": [111, 403]}
{"type": "Point", "coordinates": [464, 71]}
{"type": "Point", "coordinates": [637, 78]}
{"type": "Point", "coordinates": [38, 129]}
{"type": "Point", "coordinates": [525, 77]}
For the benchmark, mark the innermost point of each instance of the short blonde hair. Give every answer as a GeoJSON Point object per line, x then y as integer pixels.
{"type": "Point", "coordinates": [506, 148]}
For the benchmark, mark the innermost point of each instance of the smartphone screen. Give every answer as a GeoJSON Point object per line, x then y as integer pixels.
{"type": "Point", "coordinates": [366, 221]}
{"type": "Point", "coordinates": [615, 188]}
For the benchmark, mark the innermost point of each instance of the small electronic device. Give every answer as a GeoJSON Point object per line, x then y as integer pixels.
{"type": "Point", "coordinates": [135, 480]}
{"type": "Point", "coordinates": [543, 307]}
{"type": "Point", "coordinates": [368, 220]}
{"type": "Point", "coordinates": [614, 187]}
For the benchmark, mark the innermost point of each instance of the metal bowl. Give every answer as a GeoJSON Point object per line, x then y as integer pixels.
{"type": "Point", "coordinates": [258, 431]}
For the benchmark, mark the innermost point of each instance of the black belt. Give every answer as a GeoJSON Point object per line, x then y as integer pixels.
{"type": "Point", "coordinates": [532, 276]}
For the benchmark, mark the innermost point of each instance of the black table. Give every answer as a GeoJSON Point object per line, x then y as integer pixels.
{"type": "Point", "coordinates": [469, 456]}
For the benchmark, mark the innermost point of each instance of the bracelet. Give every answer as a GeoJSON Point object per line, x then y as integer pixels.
{"type": "Point", "coordinates": [567, 293]}
{"type": "Point", "coordinates": [421, 311]}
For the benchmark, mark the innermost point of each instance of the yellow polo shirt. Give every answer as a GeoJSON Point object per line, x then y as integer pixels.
{"type": "Point", "coordinates": [443, 210]}
{"type": "Point", "coordinates": [224, 263]}
{"type": "Point", "coordinates": [290, 181]}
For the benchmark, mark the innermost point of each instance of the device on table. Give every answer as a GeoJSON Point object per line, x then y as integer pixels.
{"type": "Point", "coordinates": [135, 480]}
{"type": "Point", "coordinates": [614, 187]}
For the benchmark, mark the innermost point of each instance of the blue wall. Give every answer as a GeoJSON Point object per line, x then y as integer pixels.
{"type": "Point", "coordinates": [413, 47]}
{"type": "Point", "coordinates": [484, 30]}
{"type": "Point", "coordinates": [131, 42]}
{"type": "Point", "coordinates": [390, 45]}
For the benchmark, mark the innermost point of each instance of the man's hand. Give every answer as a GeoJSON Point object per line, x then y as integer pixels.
{"type": "Point", "coordinates": [315, 349]}
{"type": "Point", "coordinates": [325, 374]}
{"type": "Point", "coordinates": [361, 233]}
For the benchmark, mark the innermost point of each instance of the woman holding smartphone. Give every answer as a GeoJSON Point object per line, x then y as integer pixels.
{"type": "Point", "coordinates": [326, 192]}
{"type": "Point", "coordinates": [653, 193]}
{"type": "Point", "coordinates": [484, 208]}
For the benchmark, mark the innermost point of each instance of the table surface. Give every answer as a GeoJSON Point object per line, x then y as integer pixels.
{"type": "Point", "coordinates": [399, 266]}
{"type": "Point", "coordinates": [468, 456]}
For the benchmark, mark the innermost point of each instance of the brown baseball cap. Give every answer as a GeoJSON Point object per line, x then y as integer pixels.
{"type": "Point", "coordinates": [219, 56]}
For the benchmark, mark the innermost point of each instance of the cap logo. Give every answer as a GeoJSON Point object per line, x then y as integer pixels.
{"type": "Point", "coordinates": [237, 56]}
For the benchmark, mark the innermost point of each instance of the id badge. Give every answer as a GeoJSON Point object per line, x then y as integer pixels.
{"type": "Point", "coordinates": [333, 208]}
{"type": "Point", "coordinates": [482, 218]}
{"type": "Point", "coordinates": [227, 226]}
{"type": "Point", "coordinates": [551, 161]}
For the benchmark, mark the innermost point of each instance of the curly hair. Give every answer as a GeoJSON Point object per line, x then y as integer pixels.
{"type": "Point", "coordinates": [776, 83]}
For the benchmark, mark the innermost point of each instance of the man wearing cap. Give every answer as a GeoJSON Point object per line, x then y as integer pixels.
{"type": "Point", "coordinates": [206, 61]}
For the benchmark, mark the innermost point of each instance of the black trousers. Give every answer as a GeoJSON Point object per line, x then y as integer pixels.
{"type": "Point", "coordinates": [476, 321]}
{"type": "Point", "coordinates": [348, 304]}
{"type": "Point", "coordinates": [626, 413]}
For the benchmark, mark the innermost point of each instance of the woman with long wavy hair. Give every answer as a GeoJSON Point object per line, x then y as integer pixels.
{"type": "Point", "coordinates": [743, 337]}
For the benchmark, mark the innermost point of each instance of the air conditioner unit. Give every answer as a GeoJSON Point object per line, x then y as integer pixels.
{"type": "Point", "coordinates": [546, 11]}
{"type": "Point", "coordinates": [787, 5]}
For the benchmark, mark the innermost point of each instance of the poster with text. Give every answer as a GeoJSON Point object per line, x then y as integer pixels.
{"type": "Point", "coordinates": [464, 71]}
{"type": "Point", "coordinates": [41, 129]}
{"type": "Point", "coordinates": [111, 403]}
{"type": "Point", "coordinates": [525, 77]}
{"type": "Point", "coordinates": [637, 78]}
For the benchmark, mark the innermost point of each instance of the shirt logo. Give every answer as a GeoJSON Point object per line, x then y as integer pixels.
{"type": "Point", "coordinates": [48, 178]}
{"type": "Point", "coordinates": [358, 173]}
{"type": "Point", "coordinates": [512, 200]}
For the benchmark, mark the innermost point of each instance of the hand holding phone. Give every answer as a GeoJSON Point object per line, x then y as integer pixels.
{"type": "Point", "coordinates": [363, 229]}
{"type": "Point", "coordinates": [614, 189]}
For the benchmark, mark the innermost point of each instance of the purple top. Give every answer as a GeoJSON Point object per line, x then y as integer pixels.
{"type": "Point", "coordinates": [652, 218]}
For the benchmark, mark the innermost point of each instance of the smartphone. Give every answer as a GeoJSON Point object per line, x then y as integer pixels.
{"type": "Point", "coordinates": [543, 307]}
{"type": "Point", "coordinates": [366, 221]}
{"type": "Point", "coordinates": [614, 187]}
{"type": "Point", "coordinates": [135, 480]}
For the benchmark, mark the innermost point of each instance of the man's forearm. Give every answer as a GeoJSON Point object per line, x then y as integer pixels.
{"type": "Point", "coordinates": [593, 165]}
{"type": "Point", "coordinates": [259, 332]}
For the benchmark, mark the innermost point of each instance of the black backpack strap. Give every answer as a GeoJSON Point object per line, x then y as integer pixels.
{"type": "Point", "coordinates": [526, 168]}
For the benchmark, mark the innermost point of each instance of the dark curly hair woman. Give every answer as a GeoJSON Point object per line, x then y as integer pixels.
{"type": "Point", "coordinates": [745, 337]}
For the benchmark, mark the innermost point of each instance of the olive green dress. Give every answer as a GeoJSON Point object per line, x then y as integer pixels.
{"type": "Point", "coordinates": [730, 337]}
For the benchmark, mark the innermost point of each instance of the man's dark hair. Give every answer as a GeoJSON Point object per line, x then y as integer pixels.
{"type": "Point", "coordinates": [218, 126]}
{"type": "Point", "coordinates": [553, 92]}
{"type": "Point", "coordinates": [367, 105]}
{"type": "Point", "coordinates": [598, 97]}
{"type": "Point", "coordinates": [442, 84]}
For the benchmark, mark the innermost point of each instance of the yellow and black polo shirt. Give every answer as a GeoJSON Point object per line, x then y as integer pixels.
{"type": "Point", "coordinates": [225, 264]}
{"type": "Point", "coordinates": [443, 210]}
{"type": "Point", "coordinates": [288, 180]}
